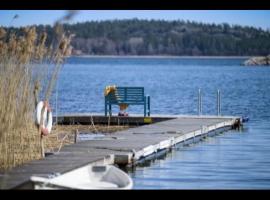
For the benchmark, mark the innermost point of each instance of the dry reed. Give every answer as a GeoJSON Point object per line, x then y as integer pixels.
{"type": "Point", "coordinates": [23, 62]}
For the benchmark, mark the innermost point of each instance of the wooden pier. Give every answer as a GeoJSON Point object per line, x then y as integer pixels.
{"type": "Point", "coordinates": [125, 147]}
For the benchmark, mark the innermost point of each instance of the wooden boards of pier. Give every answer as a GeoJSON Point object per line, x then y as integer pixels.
{"type": "Point", "coordinates": [124, 147]}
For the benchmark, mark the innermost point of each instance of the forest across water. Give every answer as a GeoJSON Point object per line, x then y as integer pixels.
{"type": "Point", "coordinates": [160, 37]}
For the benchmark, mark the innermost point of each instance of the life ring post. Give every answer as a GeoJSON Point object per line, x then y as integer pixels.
{"type": "Point", "coordinates": [44, 121]}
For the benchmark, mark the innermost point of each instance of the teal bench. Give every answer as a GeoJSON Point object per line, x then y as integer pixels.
{"type": "Point", "coordinates": [127, 95]}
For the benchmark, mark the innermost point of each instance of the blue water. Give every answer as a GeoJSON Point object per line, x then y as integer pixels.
{"type": "Point", "coordinates": [231, 160]}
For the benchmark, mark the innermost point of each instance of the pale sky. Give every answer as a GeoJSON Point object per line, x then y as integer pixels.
{"type": "Point", "coordinates": [255, 18]}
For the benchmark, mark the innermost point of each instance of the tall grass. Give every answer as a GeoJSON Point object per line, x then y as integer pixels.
{"type": "Point", "coordinates": [24, 61]}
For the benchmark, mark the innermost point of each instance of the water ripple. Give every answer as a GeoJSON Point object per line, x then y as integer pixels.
{"type": "Point", "coordinates": [231, 160]}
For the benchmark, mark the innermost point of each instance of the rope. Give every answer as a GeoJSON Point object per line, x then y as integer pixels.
{"type": "Point", "coordinates": [62, 143]}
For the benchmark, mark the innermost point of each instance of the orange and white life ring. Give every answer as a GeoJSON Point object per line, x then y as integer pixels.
{"type": "Point", "coordinates": [46, 125]}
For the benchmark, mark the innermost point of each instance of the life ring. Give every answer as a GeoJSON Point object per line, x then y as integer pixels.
{"type": "Point", "coordinates": [47, 117]}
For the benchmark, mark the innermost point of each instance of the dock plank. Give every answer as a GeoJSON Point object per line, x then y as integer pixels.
{"type": "Point", "coordinates": [138, 141]}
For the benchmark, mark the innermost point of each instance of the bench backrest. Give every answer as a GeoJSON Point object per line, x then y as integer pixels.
{"type": "Point", "coordinates": [129, 95]}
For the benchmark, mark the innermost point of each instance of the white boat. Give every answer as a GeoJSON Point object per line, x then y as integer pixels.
{"type": "Point", "coordinates": [86, 178]}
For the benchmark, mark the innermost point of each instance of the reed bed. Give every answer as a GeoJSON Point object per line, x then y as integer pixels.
{"type": "Point", "coordinates": [24, 63]}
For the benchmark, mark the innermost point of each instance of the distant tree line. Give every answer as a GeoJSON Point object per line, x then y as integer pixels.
{"type": "Point", "coordinates": [160, 37]}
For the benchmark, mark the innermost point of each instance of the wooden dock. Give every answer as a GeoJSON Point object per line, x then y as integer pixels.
{"type": "Point", "coordinates": [125, 147]}
{"type": "Point", "coordinates": [98, 118]}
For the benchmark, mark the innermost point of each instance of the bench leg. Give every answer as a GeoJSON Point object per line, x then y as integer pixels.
{"type": "Point", "coordinates": [105, 109]}
{"type": "Point", "coordinates": [110, 109]}
{"type": "Point", "coordinates": [148, 105]}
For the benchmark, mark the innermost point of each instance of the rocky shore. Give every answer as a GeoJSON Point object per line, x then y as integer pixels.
{"type": "Point", "coordinates": [254, 61]}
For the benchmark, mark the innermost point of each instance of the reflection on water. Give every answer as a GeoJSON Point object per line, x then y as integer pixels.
{"type": "Point", "coordinates": [233, 160]}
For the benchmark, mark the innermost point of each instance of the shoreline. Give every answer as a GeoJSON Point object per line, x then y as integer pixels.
{"type": "Point", "coordinates": [160, 56]}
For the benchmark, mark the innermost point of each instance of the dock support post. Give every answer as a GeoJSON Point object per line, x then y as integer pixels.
{"type": "Point", "coordinates": [42, 146]}
{"type": "Point", "coordinates": [75, 136]}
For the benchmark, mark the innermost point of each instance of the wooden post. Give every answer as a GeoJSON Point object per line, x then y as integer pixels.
{"type": "Point", "coordinates": [41, 136]}
{"type": "Point", "coordinates": [75, 136]}
{"type": "Point", "coordinates": [39, 131]}
{"type": "Point", "coordinates": [42, 147]}
{"type": "Point", "coordinates": [36, 90]}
